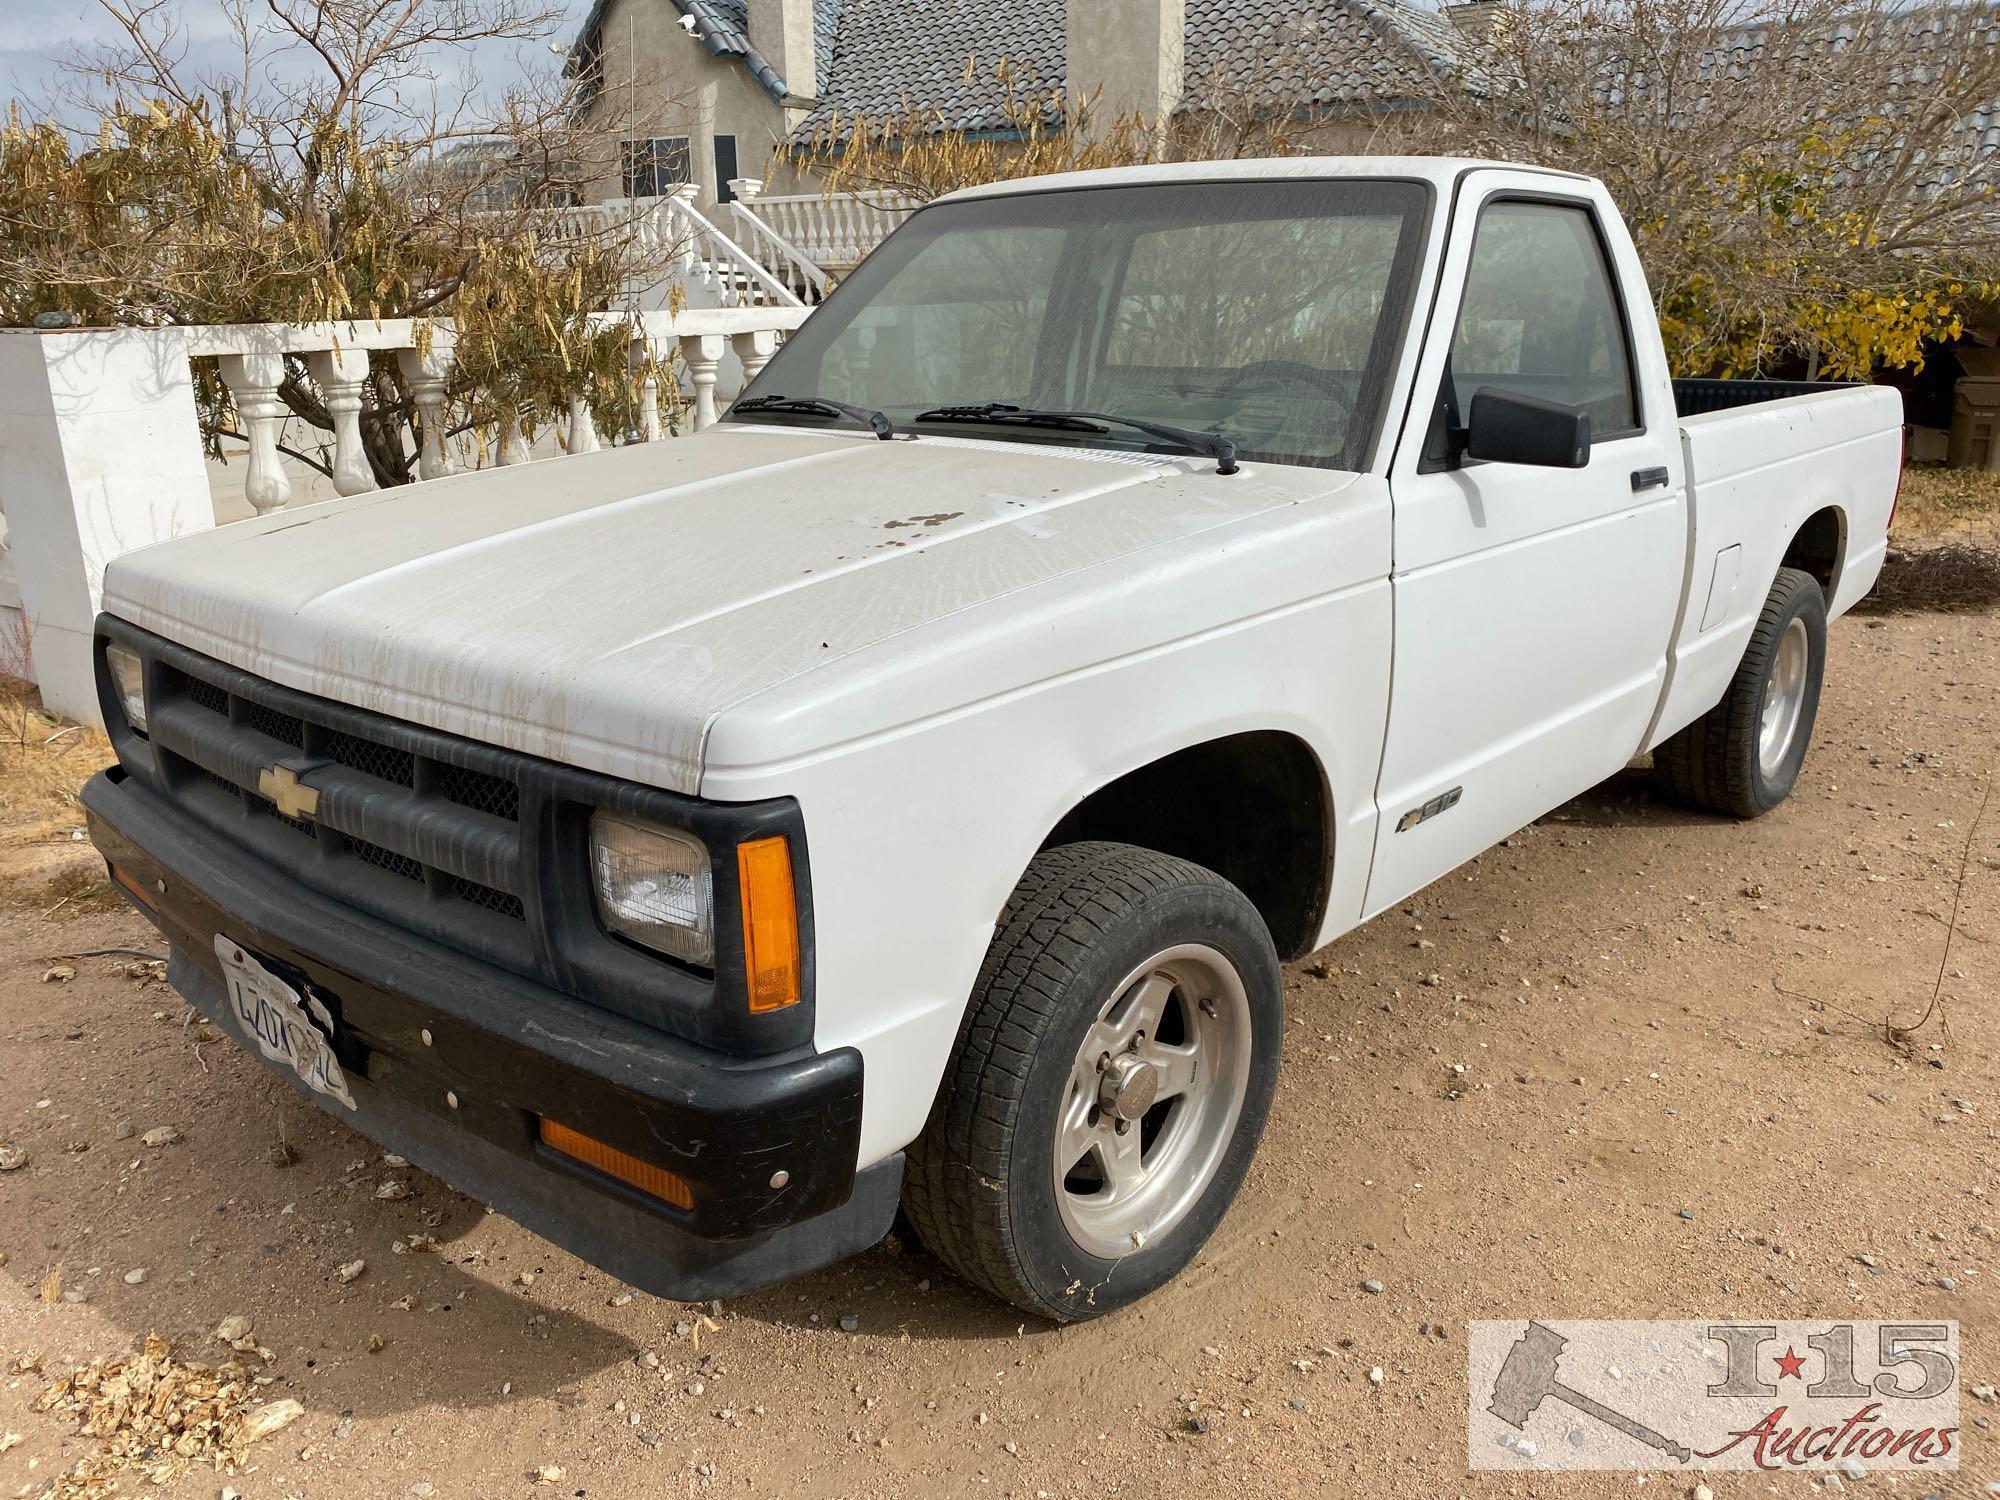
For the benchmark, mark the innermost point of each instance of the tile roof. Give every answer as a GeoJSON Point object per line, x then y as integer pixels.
{"type": "Point", "coordinates": [939, 52]}
{"type": "Point", "coordinates": [876, 56]}
{"type": "Point", "coordinates": [723, 26]}
{"type": "Point", "coordinates": [942, 52]}
{"type": "Point", "coordinates": [729, 22]}
{"type": "Point", "coordinates": [1328, 52]}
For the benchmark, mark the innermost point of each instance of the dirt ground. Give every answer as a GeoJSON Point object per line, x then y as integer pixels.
{"type": "Point", "coordinates": [1658, 1014]}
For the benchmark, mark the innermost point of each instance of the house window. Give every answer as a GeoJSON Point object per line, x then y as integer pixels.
{"type": "Point", "coordinates": [725, 167]}
{"type": "Point", "coordinates": [656, 167]}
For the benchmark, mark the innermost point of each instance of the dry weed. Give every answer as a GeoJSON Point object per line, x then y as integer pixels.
{"type": "Point", "coordinates": [1936, 499]}
{"type": "Point", "coordinates": [44, 763]}
{"type": "Point", "coordinates": [1950, 575]}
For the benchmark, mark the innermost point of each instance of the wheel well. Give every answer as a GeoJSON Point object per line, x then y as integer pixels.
{"type": "Point", "coordinates": [1818, 546]}
{"type": "Point", "coordinates": [1251, 807]}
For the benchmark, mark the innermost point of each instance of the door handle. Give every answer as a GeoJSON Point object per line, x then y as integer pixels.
{"type": "Point", "coordinates": [1648, 479]}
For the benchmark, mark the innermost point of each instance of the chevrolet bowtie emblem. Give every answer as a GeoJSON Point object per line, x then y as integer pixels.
{"type": "Point", "coordinates": [291, 796]}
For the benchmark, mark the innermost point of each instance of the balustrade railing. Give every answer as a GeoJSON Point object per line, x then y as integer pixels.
{"type": "Point", "coordinates": [670, 237]}
{"type": "Point", "coordinates": [712, 260]}
{"type": "Point", "coordinates": [780, 250]}
{"type": "Point", "coordinates": [773, 251]}
{"type": "Point", "coordinates": [253, 364]}
{"type": "Point", "coordinates": [105, 452]}
{"type": "Point", "coordinates": [829, 231]}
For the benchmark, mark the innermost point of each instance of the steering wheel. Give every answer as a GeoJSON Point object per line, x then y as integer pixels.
{"type": "Point", "coordinates": [1263, 417]}
{"type": "Point", "coordinates": [1291, 369]}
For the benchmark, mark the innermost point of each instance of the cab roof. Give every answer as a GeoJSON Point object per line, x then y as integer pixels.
{"type": "Point", "coordinates": [1439, 171]}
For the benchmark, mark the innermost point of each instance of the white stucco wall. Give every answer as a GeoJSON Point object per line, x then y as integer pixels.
{"type": "Point", "coordinates": [103, 455]}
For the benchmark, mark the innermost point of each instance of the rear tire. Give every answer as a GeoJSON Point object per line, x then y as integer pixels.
{"type": "Point", "coordinates": [1742, 757]}
{"type": "Point", "coordinates": [1110, 1083]}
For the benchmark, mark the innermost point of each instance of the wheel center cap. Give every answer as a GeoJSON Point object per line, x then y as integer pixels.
{"type": "Point", "coordinates": [1130, 1085]}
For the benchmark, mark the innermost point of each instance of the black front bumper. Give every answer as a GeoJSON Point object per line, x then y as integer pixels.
{"type": "Point", "coordinates": [504, 1052]}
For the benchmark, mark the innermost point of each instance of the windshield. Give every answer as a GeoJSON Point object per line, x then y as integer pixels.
{"type": "Point", "coordinates": [1266, 310]}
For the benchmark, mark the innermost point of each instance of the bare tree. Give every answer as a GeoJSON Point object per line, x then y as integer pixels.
{"type": "Point", "coordinates": [350, 163]}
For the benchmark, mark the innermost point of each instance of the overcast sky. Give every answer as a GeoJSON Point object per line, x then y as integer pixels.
{"type": "Point", "coordinates": [35, 35]}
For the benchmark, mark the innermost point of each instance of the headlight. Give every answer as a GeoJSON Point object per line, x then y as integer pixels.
{"type": "Point", "coordinates": [128, 679]}
{"type": "Point", "coordinates": [654, 887]}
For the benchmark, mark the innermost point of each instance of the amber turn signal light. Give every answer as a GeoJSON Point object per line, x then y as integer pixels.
{"type": "Point", "coordinates": [139, 893]}
{"type": "Point", "coordinates": [770, 923]}
{"type": "Point", "coordinates": [654, 1181]}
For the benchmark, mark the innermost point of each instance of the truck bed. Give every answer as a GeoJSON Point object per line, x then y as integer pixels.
{"type": "Point", "coordinates": [1694, 398]}
{"type": "Point", "coordinates": [1752, 447]}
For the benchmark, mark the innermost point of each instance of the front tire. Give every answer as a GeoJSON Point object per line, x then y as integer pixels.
{"type": "Point", "coordinates": [1109, 1086]}
{"type": "Point", "coordinates": [1742, 757]}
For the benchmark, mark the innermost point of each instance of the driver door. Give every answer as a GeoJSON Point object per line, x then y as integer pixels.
{"type": "Point", "coordinates": [1533, 605]}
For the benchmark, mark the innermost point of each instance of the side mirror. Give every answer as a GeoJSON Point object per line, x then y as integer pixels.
{"type": "Point", "coordinates": [1513, 429]}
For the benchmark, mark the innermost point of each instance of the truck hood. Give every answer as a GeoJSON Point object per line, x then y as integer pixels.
{"type": "Point", "coordinates": [603, 610]}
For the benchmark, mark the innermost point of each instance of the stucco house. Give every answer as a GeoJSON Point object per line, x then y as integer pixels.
{"type": "Point", "coordinates": [700, 91]}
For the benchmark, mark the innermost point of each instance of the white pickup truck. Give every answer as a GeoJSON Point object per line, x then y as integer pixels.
{"type": "Point", "coordinates": [904, 791]}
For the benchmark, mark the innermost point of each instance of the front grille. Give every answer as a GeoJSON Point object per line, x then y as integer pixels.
{"type": "Point", "coordinates": [207, 694]}
{"type": "Point", "coordinates": [480, 792]}
{"type": "Point", "coordinates": [386, 859]}
{"type": "Point", "coordinates": [297, 825]}
{"type": "Point", "coordinates": [382, 761]}
{"type": "Point", "coordinates": [504, 902]}
{"type": "Point", "coordinates": [401, 828]}
{"type": "Point", "coordinates": [418, 831]}
{"type": "Point", "coordinates": [278, 726]}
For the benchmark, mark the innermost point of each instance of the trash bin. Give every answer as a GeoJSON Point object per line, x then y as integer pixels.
{"type": "Point", "coordinates": [1975, 412]}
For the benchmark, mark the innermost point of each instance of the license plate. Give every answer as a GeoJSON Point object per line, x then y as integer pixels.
{"type": "Point", "coordinates": [276, 1017]}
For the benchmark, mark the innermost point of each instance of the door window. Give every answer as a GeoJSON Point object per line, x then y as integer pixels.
{"type": "Point", "coordinates": [1541, 318]}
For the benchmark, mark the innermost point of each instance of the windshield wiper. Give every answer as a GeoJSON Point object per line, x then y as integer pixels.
{"type": "Point", "coordinates": [820, 406]}
{"type": "Point", "coordinates": [1212, 443]}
